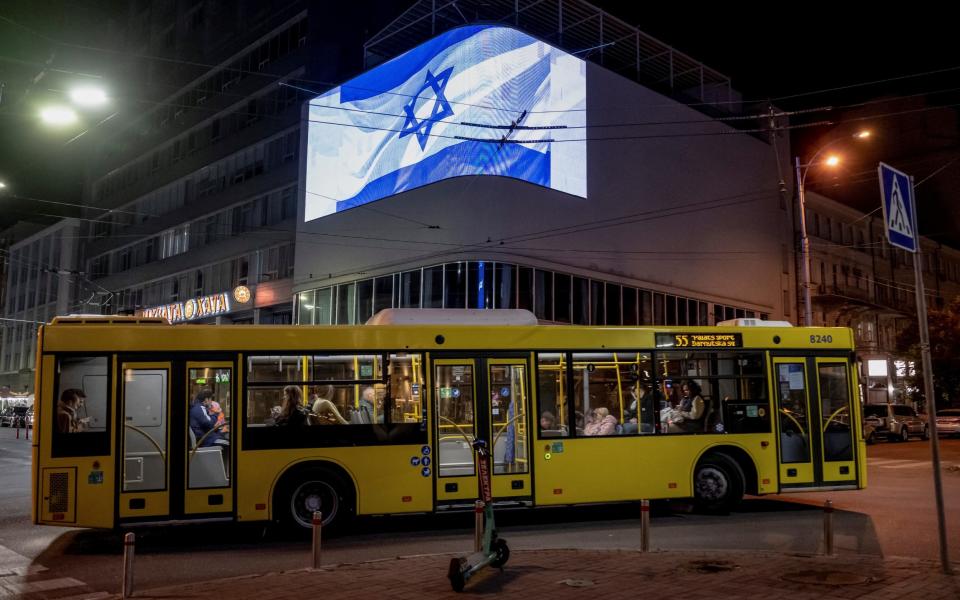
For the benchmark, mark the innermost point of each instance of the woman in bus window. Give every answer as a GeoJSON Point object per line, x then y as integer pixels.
{"type": "Point", "coordinates": [293, 412]}
{"type": "Point", "coordinates": [324, 411]}
{"type": "Point", "coordinates": [603, 423]}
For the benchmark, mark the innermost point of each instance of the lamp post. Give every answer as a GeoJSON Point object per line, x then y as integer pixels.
{"type": "Point", "coordinates": [801, 169]}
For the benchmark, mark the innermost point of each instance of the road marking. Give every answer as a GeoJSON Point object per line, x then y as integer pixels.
{"type": "Point", "coordinates": [914, 463]}
{"type": "Point", "coordinates": [887, 461]}
{"type": "Point", "coordinates": [15, 568]}
{"type": "Point", "coordinates": [43, 585]}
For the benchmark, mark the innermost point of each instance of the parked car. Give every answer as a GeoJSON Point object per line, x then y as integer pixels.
{"type": "Point", "coordinates": [896, 422]}
{"type": "Point", "coordinates": [948, 421]}
{"type": "Point", "coordinates": [28, 419]}
{"type": "Point", "coordinates": [6, 417]}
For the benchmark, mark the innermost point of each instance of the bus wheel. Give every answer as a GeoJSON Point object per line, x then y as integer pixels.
{"type": "Point", "coordinates": [317, 490]}
{"type": "Point", "coordinates": [718, 483]}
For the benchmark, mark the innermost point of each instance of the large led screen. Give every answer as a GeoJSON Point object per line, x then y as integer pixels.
{"type": "Point", "coordinates": [479, 100]}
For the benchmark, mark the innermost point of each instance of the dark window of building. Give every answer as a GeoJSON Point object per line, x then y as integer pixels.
{"type": "Point", "coordinates": [659, 310]}
{"type": "Point", "coordinates": [543, 295]}
{"type": "Point", "coordinates": [703, 310]}
{"type": "Point", "coordinates": [382, 293]}
{"type": "Point", "coordinates": [613, 305]}
{"type": "Point", "coordinates": [646, 308]}
{"type": "Point", "coordinates": [597, 302]}
{"type": "Point", "coordinates": [630, 306]}
{"type": "Point", "coordinates": [693, 313]}
{"type": "Point", "coordinates": [433, 287]}
{"type": "Point", "coordinates": [581, 301]}
{"type": "Point", "coordinates": [561, 298]}
{"type": "Point", "coordinates": [364, 300]}
{"type": "Point", "coordinates": [671, 306]}
{"type": "Point", "coordinates": [525, 288]}
{"type": "Point", "coordinates": [410, 289]}
{"type": "Point", "coordinates": [480, 285]}
{"type": "Point", "coordinates": [346, 295]}
{"type": "Point", "coordinates": [505, 277]}
{"type": "Point", "coordinates": [455, 285]}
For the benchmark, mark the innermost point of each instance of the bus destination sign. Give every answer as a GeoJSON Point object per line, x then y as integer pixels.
{"type": "Point", "coordinates": [699, 340]}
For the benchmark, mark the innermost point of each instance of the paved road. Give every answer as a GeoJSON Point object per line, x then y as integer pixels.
{"type": "Point", "coordinates": [893, 517]}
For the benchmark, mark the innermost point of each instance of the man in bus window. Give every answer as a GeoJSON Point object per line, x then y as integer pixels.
{"type": "Point", "coordinates": [363, 414]}
{"type": "Point", "coordinates": [68, 411]}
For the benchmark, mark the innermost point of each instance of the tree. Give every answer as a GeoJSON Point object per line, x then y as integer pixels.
{"type": "Point", "coordinates": [944, 326]}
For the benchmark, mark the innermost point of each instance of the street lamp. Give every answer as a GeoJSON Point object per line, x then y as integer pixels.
{"type": "Point", "coordinates": [88, 96]}
{"type": "Point", "coordinates": [831, 161]}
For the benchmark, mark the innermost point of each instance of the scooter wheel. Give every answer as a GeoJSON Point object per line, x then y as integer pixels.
{"type": "Point", "coordinates": [455, 575]}
{"type": "Point", "coordinates": [502, 551]}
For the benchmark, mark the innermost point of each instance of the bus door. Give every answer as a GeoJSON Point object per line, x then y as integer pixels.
{"type": "Point", "coordinates": [487, 398]}
{"type": "Point", "coordinates": [814, 423]}
{"type": "Point", "coordinates": [144, 440]}
{"type": "Point", "coordinates": [208, 453]}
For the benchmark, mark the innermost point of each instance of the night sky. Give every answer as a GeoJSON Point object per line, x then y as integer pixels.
{"type": "Point", "coordinates": [768, 54]}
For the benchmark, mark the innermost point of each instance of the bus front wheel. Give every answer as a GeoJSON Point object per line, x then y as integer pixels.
{"type": "Point", "coordinates": [718, 483]}
{"type": "Point", "coordinates": [316, 490]}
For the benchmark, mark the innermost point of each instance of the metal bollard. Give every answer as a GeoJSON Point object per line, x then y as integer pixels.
{"type": "Point", "coordinates": [478, 525]}
{"type": "Point", "coordinates": [317, 527]}
{"type": "Point", "coordinates": [18, 430]}
{"type": "Point", "coordinates": [828, 527]}
{"type": "Point", "coordinates": [644, 526]}
{"type": "Point", "coordinates": [128, 551]}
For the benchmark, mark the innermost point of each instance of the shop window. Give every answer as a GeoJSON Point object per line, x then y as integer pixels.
{"type": "Point", "coordinates": [306, 307]}
{"type": "Point", "coordinates": [323, 311]}
{"type": "Point", "coordinates": [613, 306]}
{"type": "Point", "coordinates": [455, 285]}
{"type": "Point", "coordinates": [480, 285]}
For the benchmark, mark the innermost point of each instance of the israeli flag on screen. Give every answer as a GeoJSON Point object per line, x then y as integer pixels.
{"type": "Point", "coordinates": [427, 115]}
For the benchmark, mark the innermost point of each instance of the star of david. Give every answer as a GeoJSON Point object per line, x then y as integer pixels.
{"type": "Point", "coordinates": [441, 108]}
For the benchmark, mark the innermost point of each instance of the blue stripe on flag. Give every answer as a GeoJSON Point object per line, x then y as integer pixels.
{"type": "Point", "coordinates": [465, 158]}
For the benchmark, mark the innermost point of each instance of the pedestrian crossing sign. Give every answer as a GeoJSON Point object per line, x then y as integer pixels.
{"type": "Point", "coordinates": [899, 209]}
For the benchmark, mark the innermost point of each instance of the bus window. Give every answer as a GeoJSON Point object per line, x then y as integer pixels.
{"type": "Point", "coordinates": [80, 413]}
{"type": "Point", "coordinates": [208, 426]}
{"type": "Point", "coordinates": [613, 393]}
{"type": "Point", "coordinates": [455, 416]}
{"type": "Point", "coordinates": [551, 394]}
{"type": "Point", "coordinates": [713, 392]}
{"type": "Point", "coordinates": [835, 412]}
{"type": "Point", "coordinates": [406, 385]}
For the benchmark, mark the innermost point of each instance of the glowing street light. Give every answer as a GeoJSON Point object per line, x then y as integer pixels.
{"type": "Point", "coordinates": [58, 115]}
{"type": "Point", "coordinates": [831, 161]}
{"type": "Point", "coordinates": [88, 96]}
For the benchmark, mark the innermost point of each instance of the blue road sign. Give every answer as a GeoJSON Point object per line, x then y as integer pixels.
{"type": "Point", "coordinates": [899, 208]}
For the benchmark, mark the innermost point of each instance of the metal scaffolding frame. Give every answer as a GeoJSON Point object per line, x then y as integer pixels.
{"type": "Point", "coordinates": [574, 26]}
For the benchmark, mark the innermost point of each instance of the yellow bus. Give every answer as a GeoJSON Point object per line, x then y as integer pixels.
{"type": "Point", "coordinates": [138, 421]}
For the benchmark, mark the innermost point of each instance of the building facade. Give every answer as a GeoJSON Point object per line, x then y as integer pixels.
{"type": "Point", "coordinates": [859, 281]}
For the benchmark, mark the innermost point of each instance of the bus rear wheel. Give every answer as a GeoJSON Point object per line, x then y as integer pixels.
{"type": "Point", "coordinates": [316, 490]}
{"type": "Point", "coordinates": [718, 483]}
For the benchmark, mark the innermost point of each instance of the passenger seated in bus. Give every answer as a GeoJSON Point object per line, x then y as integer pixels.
{"type": "Point", "coordinates": [293, 412]}
{"type": "Point", "coordinates": [68, 412]}
{"type": "Point", "coordinates": [602, 423]}
{"type": "Point", "coordinates": [202, 423]}
{"type": "Point", "coordinates": [363, 414]}
{"type": "Point", "coordinates": [549, 426]}
{"type": "Point", "coordinates": [324, 411]}
{"type": "Point", "coordinates": [688, 415]}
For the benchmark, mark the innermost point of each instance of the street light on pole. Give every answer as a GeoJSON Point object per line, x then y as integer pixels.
{"type": "Point", "coordinates": [801, 169]}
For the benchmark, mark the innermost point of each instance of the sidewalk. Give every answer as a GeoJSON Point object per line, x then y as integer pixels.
{"type": "Point", "coordinates": [582, 574]}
